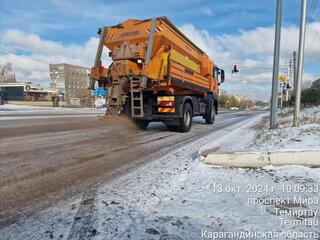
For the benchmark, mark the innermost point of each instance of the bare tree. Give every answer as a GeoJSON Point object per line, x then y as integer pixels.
{"type": "Point", "coordinates": [6, 74]}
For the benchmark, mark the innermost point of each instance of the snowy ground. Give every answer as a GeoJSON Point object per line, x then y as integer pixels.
{"type": "Point", "coordinates": [259, 136]}
{"type": "Point", "coordinates": [178, 197]}
{"type": "Point", "coordinates": [307, 136]}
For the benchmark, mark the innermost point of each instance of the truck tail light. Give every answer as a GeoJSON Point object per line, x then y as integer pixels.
{"type": "Point", "coordinates": [166, 110]}
{"type": "Point", "coordinates": [165, 99]}
{"type": "Point", "coordinates": [167, 104]}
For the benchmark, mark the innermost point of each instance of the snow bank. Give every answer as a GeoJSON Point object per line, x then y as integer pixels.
{"type": "Point", "coordinates": [286, 137]}
{"type": "Point", "coordinates": [255, 136]}
{"type": "Point", "coordinates": [260, 146]}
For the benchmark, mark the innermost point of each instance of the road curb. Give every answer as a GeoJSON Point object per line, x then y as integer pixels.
{"type": "Point", "coordinates": [309, 158]}
{"type": "Point", "coordinates": [236, 159]}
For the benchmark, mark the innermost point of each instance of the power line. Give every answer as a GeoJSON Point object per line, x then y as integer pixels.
{"type": "Point", "coordinates": [260, 67]}
{"type": "Point", "coordinates": [6, 50]}
{"type": "Point", "coordinates": [21, 62]}
{"type": "Point", "coordinates": [12, 52]}
{"type": "Point", "coordinates": [310, 13]}
{"type": "Point", "coordinates": [36, 23]}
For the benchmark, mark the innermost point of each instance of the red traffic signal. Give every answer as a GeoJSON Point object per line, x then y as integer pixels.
{"type": "Point", "coordinates": [235, 68]}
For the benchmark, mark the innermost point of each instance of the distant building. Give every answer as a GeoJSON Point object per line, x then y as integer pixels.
{"type": "Point", "coordinates": [72, 82]}
{"type": "Point", "coordinates": [6, 74]}
{"type": "Point", "coordinates": [25, 92]}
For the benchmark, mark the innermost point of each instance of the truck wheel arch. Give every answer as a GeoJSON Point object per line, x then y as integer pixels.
{"type": "Point", "coordinates": [182, 100]}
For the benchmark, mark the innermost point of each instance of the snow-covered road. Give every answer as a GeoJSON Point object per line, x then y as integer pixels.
{"type": "Point", "coordinates": [45, 161]}
{"type": "Point", "coordinates": [179, 197]}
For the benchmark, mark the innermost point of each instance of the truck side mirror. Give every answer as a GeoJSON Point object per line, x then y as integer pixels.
{"type": "Point", "coordinates": [222, 75]}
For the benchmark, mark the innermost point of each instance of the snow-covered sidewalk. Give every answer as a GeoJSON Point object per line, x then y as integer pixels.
{"type": "Point", "coordinates": [307, 136]}
{"type": "Point", "coordinates": [178, 197]}
{"type": "Point", "coordinates": [259, 137]}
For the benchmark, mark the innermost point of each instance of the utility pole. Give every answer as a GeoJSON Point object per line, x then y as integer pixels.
{"type": "Point", "coordinates": [227, 104]}
{"type": "Point", "coordinates": [294, 71]}
{"type": "Point", "coordinates": [289, 80]}
{"type": "Point", "coordinates": [275, 75]}
{"type": "Point", "coordinates": [300, 62]}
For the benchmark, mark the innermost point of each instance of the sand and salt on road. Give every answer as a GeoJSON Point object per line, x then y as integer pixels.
{"type": "Point", "coordinates": [46, 160]}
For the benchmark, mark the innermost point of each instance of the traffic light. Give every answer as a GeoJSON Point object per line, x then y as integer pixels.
{"type": "Point", "coordinates": [235, 68]}
{"type": "Point", "coordinates": [288, 86]}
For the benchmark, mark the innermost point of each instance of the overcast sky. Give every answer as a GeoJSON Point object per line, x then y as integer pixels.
{"type": "Point", "coordinates": [36, 33]}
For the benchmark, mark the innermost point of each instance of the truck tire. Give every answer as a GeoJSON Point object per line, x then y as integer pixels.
{"type": "Point", "coordinates": [186, 119]}
{"type": "Point", "coordinates": [142, 124]}
{"type": "Point", "coordinates": [127, 108]}
{"type": "Point", "coordinates": [211, 115]}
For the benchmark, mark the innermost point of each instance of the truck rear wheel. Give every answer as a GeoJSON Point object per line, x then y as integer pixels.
{"type": "Point", "coordinates": [186, 119]}
{"type": "Point", "coordinates": [142, 124]}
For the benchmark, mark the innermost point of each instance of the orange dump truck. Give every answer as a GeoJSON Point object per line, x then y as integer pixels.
{"type": "Point", "coordinates": [156, 74]}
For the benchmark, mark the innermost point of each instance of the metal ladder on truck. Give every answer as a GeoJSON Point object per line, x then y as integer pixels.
{"type": "Point", "coordinates": [136, 99]}
{"type": "Point", "coordinates": [136, 93]}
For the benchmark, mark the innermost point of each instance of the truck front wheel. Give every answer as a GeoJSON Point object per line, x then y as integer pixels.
{"type": "Point", "coordinates": [211, 115]}
{"type": "Point", "coordinates": [186, 119]}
